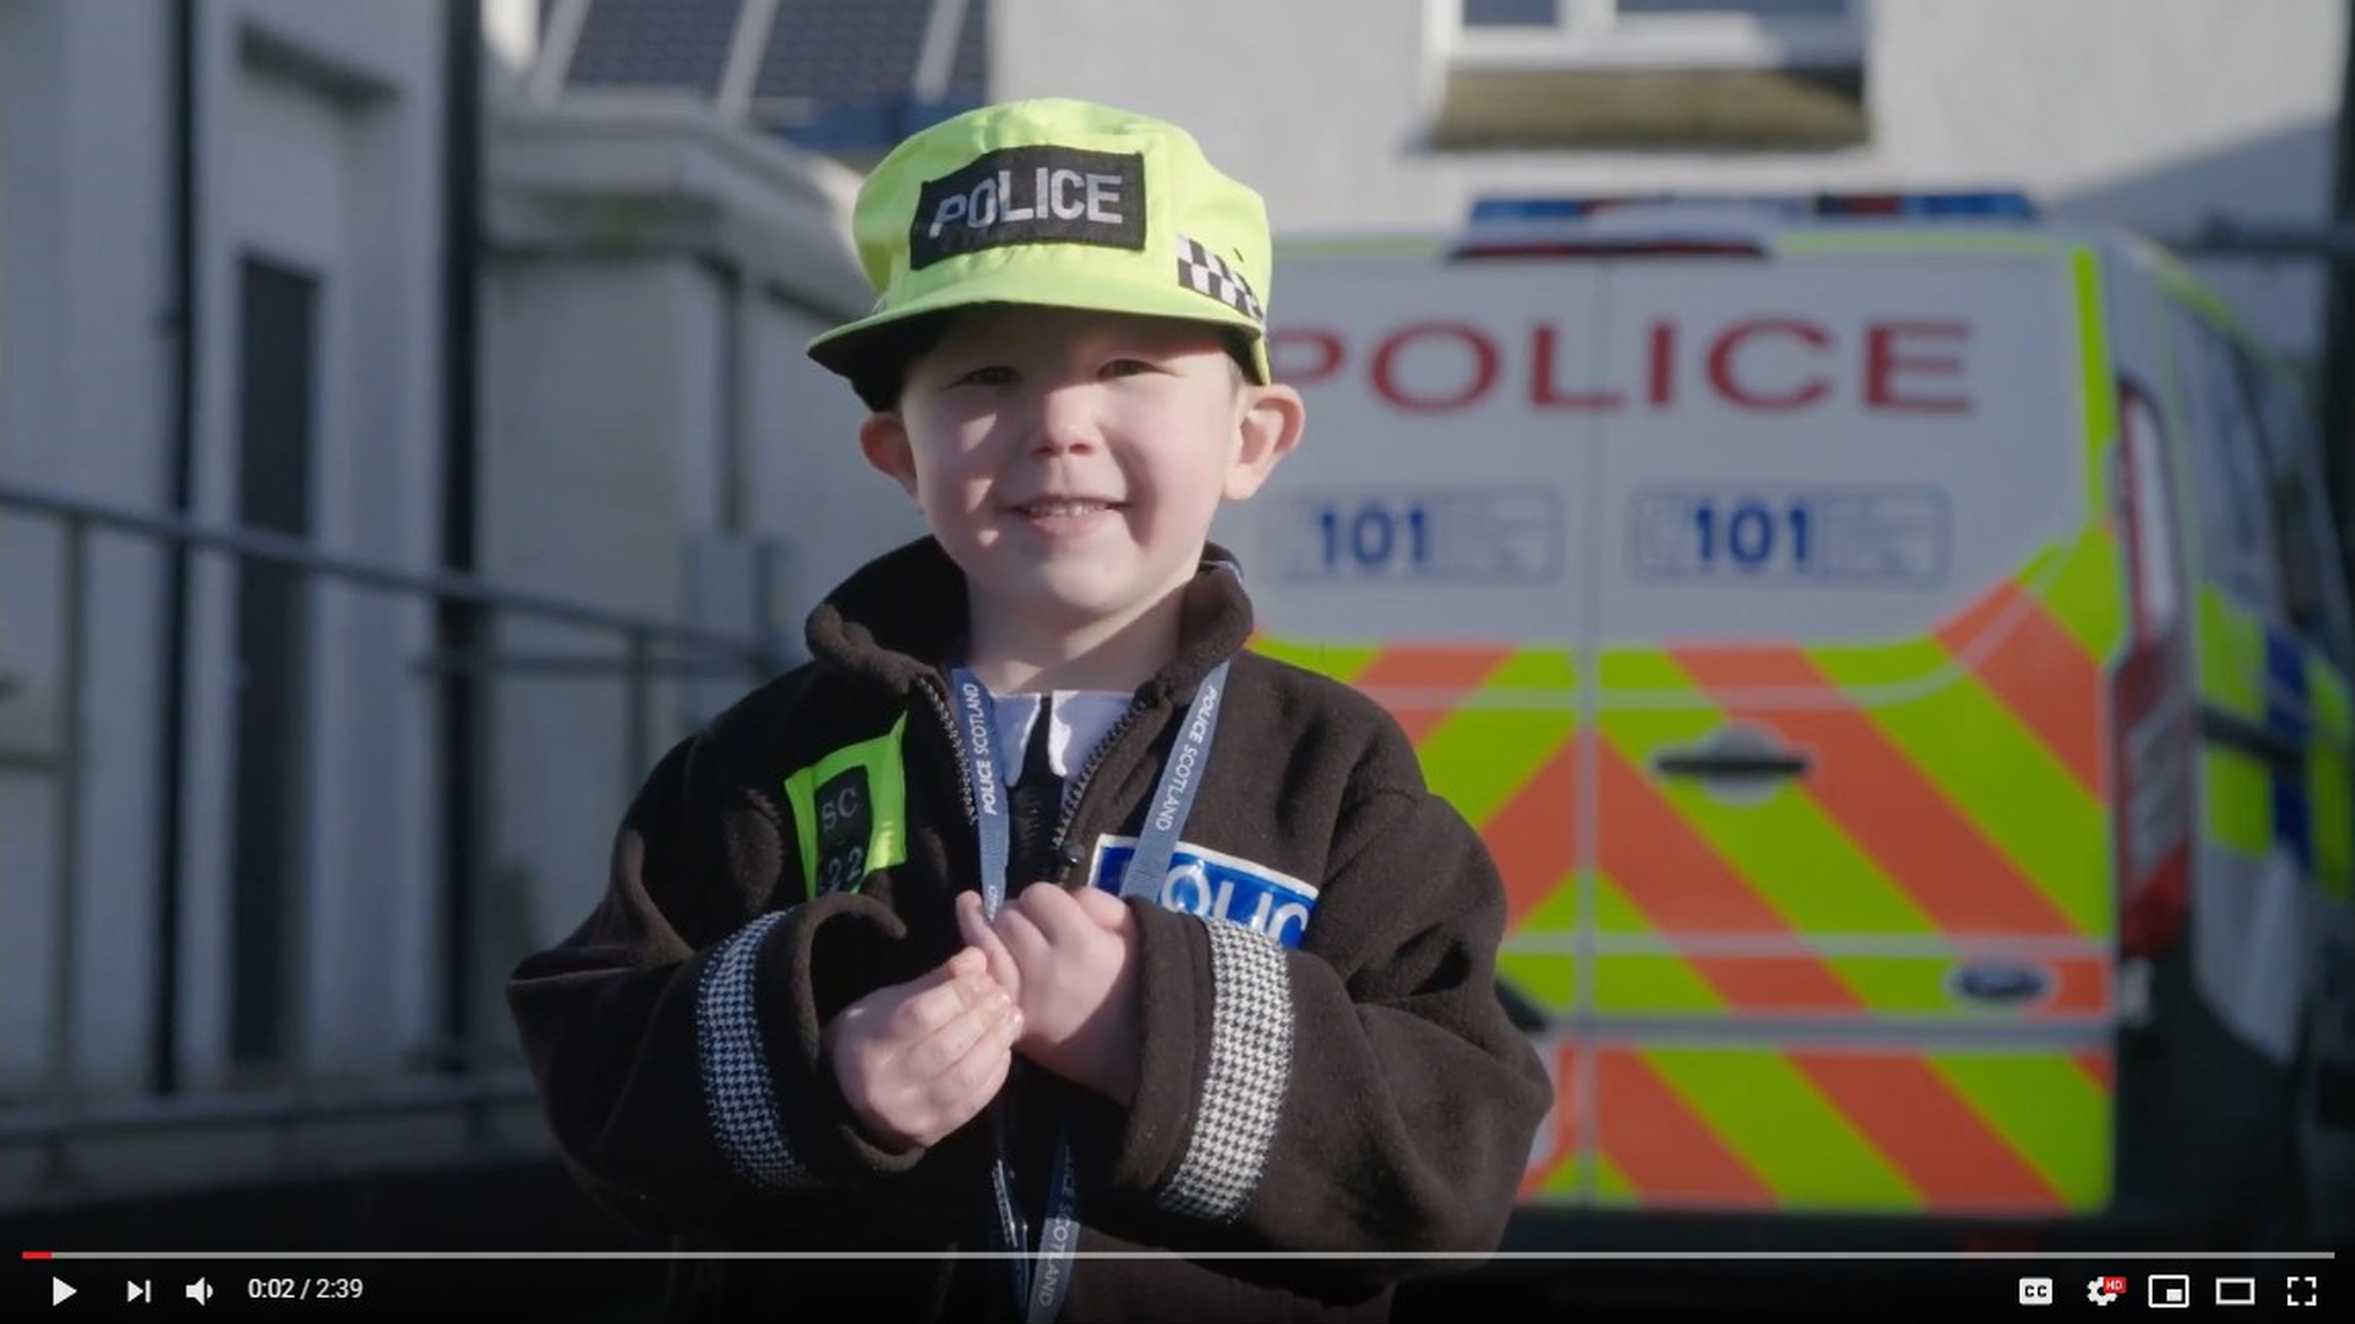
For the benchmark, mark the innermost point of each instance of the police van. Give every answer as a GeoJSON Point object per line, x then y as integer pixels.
{"type": "Point", "coordinates": [1896, 652]}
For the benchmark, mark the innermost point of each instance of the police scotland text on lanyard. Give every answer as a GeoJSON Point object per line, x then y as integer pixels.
{"type": "Point", "coordinates": [1040, 1290]}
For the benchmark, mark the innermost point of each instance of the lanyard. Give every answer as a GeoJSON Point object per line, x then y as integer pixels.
{"type": "Point", "coordinates": [1042, 1290]}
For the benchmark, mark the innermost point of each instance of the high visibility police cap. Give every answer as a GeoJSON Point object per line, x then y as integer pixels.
{"type": "Point", "coordinates": [1055, 202]}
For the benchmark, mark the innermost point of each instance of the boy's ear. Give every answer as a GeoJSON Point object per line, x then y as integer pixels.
{"type": "Point", "coordinates": [883, 439]}
{"type": "Point", "coordinates": [1273, 417]}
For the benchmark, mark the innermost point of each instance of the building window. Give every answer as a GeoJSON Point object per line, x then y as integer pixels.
{"type": "Point", "coordinates": [1745, 34]}
{"type": "Point", "coordinates": [277, 403]}
{"type": "Point", "coordinates": [1648, 73]}
{"type": "Point", "coordinates": [1512, 13]}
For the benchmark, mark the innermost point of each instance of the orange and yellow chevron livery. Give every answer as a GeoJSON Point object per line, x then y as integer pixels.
{"type": "Point", "coordinates": [1756, 998]}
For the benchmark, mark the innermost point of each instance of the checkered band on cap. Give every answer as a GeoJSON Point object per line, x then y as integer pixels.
{"type": "Point", "coordinates": [1250, 1067]}
{"type": "Point", "coordinates": [1206, 273]}
{"type": "Point", "coordinates": [737, 1090]}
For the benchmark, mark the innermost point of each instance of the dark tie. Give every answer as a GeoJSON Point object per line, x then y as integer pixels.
{"type": "Point", "coordinates": [1037, 801]}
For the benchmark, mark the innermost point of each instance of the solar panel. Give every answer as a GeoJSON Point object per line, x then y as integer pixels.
{"type": "Point", "coordinates": [969, 75]}
{"type": "Point", "coordinates": [837, 75]}
{"type": "Point", "coordinates": [838, 51]}
{"type": "Point", "coordinates": [655, 43]}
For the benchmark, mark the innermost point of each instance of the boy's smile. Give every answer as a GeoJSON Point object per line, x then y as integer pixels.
{"type": "Point", "coordinates": [1070, 461]}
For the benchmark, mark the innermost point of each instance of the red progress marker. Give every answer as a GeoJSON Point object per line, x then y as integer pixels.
{"type": "Point", "coordinates": [37, 1254]}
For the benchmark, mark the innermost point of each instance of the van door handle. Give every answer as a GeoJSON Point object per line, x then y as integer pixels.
{"type": "Point", "coordinates": [2255, 739]}
{"type": "Point", "coordinates": [1742, 764]}
{"type": "Point", "coordinates": [1735, 758]}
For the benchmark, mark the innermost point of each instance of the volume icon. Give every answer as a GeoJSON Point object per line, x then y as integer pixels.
{"type": "Point", "coordinates": [199, 1291]}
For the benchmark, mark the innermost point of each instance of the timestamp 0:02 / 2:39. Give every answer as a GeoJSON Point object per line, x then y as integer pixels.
{"type": "Point", "coordinates": [303, 1289]}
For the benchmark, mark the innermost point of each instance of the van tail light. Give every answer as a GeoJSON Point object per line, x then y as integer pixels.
{"type": "Point", "coordinates": [2154, 709]}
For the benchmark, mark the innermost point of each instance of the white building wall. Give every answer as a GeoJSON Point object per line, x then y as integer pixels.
{"type": "Point", "coordinates": [637, 251]}
{"type": "Point", "coordinates": [2150, 113]}
{"type": "Point", "coordinates": [84, 356]}
{"type": "Point", "coordinates": [584, 497]}
{"type": "Point", "coordinates": [319, 145]}
{"type": "Point", "coordinates": [814, 489]}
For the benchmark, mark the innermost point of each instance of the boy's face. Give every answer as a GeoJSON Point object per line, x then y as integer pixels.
{"type": "Point", "coordinates": [1070, 461]}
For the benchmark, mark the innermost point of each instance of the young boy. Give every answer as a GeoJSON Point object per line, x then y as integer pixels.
{"type": "Point", "coordinates": [1034, 915]}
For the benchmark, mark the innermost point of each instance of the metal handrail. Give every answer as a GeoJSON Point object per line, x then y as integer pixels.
{"type": "Point", "coordinates": [284, 549]}
{"type": "Point", "coordinates": [264, 1107]}
{"type": "Point", "coordinates": [477, 1085]}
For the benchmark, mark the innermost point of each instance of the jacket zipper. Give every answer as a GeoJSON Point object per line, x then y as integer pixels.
{"type": "Point", "coordinates": [948, 723]}
{"type": "Point", "coordinates": [1072, 791]}
{"type": "Point", "coordinates": [1078, 786]}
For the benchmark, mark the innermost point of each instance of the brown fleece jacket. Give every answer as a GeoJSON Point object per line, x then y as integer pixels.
{"type": "Point", "coordinates": [1348, 1085]}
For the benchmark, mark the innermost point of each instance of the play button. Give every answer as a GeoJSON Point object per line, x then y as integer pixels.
{"type": "Point", "coordinates": [59, 1290]}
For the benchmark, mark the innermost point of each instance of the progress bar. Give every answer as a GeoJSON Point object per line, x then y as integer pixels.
{"type": "Point", "coordinates": [1513, 1255]}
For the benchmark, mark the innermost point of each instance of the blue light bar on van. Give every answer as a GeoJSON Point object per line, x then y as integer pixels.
{"type": "Point", "coordinates": [1989, 206]}
{"type": "Point", "coordinates": [1700, 225]}
{"type": "Point", "coordinates": [1986, 204]}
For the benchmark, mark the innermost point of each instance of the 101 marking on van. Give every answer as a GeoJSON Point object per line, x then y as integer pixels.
{"type": "Point", "coordinates": [1497, 535]}
{"type": "Point", "coordinates": [1895, 537]}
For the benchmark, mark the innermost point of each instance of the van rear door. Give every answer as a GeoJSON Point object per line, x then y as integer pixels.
{"type": "Point", "coordinates": [1849, 898]}
{"type": "Point", "coordinates": [1424, 544]}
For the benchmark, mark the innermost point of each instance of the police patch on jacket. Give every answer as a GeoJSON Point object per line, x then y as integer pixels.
{"type": "Point", "coordinates": [1030, 195]}
{"type": "Point", "coordinates": [1215, 885]}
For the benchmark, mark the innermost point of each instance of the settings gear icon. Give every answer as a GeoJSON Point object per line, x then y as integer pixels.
{"type": "Point", "coordinates": [2103, 1291]}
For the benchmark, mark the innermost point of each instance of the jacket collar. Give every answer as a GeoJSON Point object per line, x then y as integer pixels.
{"type": "Point", "coordinates": [901, 618]}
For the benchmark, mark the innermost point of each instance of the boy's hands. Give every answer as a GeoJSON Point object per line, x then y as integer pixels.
{"type": "Point", "coordinates": [1070, 961]}
{"type": "Point", "coordinates": [918, 1060]}
{"type": "Point", "coordinates": [1054, 978]}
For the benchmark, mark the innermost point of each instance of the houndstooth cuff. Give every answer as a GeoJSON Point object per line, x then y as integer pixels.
{"type": "Point", "coordinates": [1250, 1066]}
{"type": "Point", "coordinates": [737, 1090]}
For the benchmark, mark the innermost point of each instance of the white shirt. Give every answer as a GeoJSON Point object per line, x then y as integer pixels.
{"type": "Point", "coordinates": [1081, 719]}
